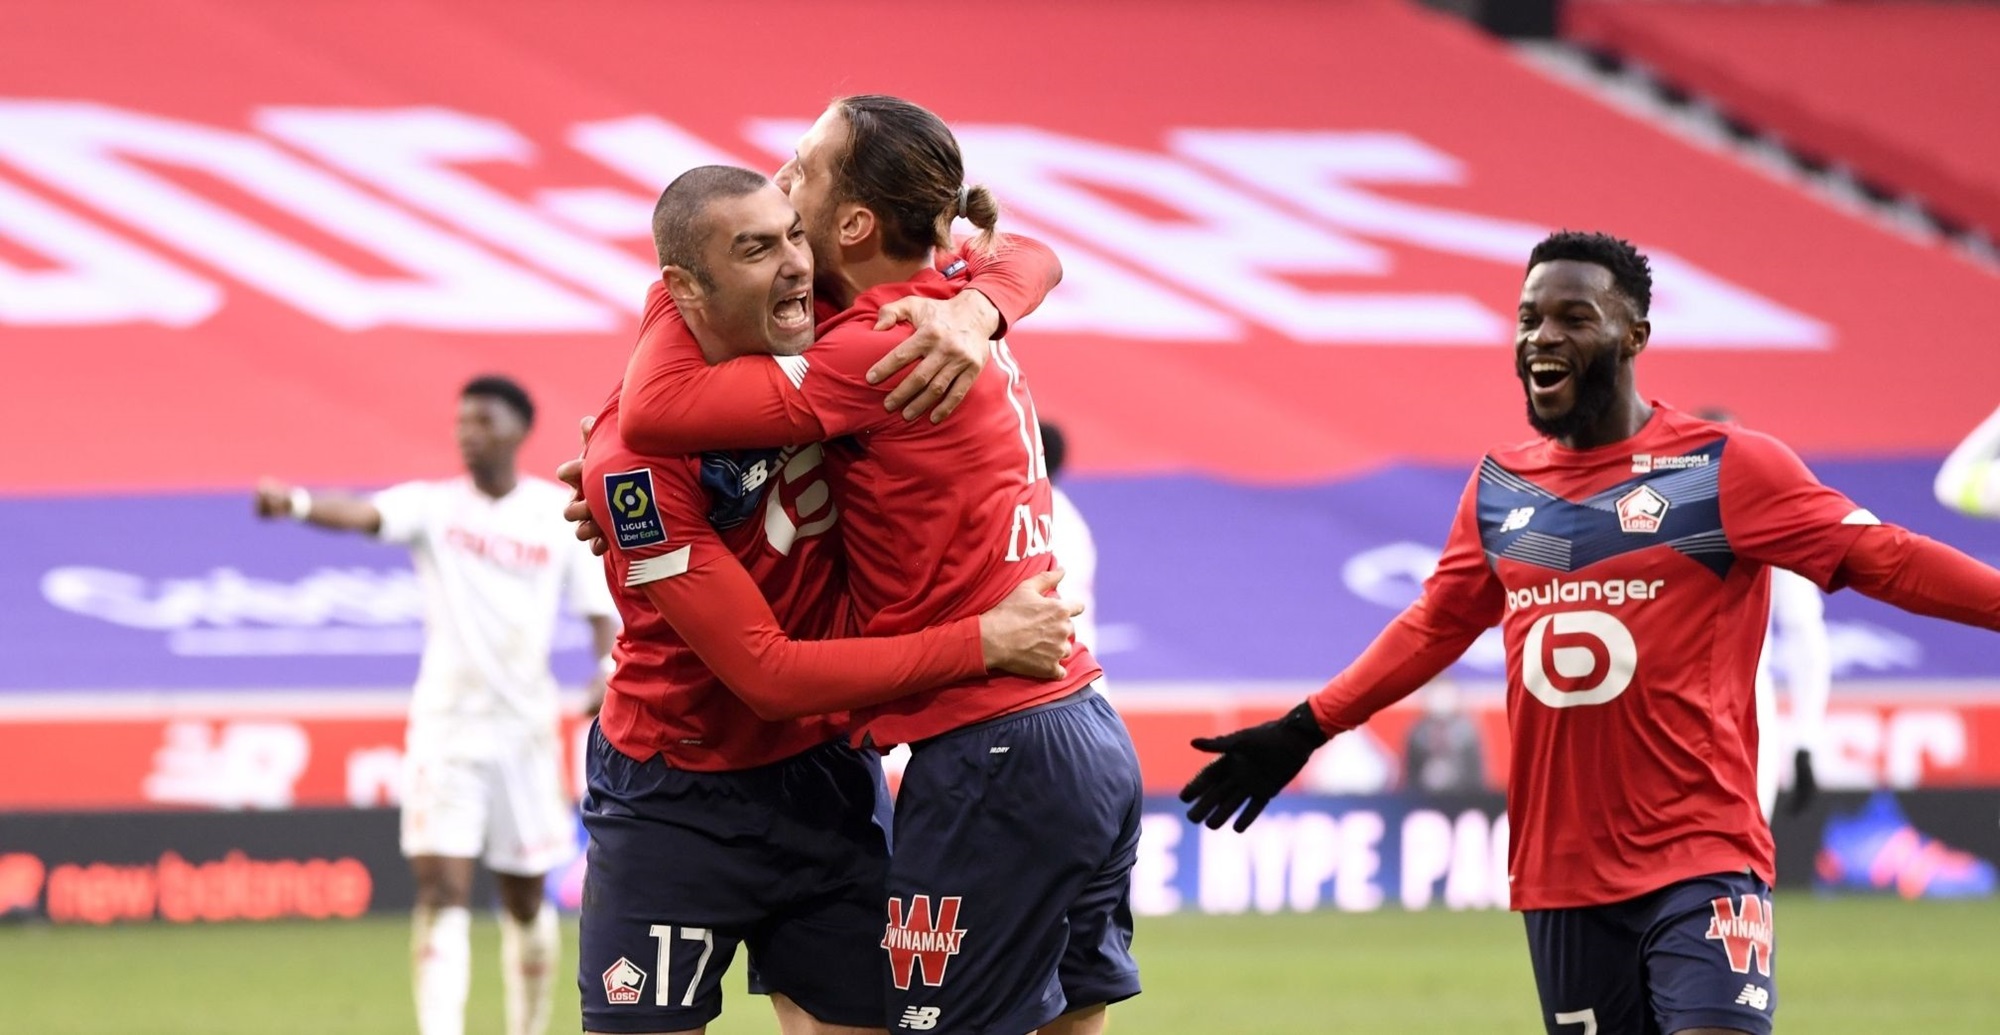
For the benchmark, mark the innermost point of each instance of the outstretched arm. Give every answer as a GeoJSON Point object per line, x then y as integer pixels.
{"type": "Point", "coordinates": [338, 511]}
{"type": "Point", "coordinates": [1461, 598]}
{"type": "Point", "coordinates": [1969, 481]}
{"type": "Point", "coordinates": [1416, 648]}
{"type": "Point", "coordinates": [1922, 576]}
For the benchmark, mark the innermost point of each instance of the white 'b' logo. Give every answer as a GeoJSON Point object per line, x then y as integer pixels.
{"type": "Point", "coordinates": [1575, 658]}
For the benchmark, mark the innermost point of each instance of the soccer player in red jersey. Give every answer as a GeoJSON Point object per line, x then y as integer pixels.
{"type": "Point", "coordinates": [723, 806]}
{"type": "Point", "coordinates": [1017, 821]}
{"type": "Point", "coordinates": [1624, 553]}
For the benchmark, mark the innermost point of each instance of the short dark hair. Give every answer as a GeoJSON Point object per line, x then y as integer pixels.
{"type": "Point", "coordinates": [1629, 268]}
{"type": "Point", "coordinates": [494, 386]}
{"type": "Point", "coordinates": [1053, 448]}
{"type": "Point", "coordinates": [679, 226]}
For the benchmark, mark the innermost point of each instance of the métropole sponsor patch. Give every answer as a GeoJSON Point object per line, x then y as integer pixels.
{"type": "Point", "coordinates": [635, 516]}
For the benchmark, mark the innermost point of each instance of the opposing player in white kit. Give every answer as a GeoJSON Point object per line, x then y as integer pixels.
{"type": "Point", "coordinates": [482, 774]}
{"type": "Point", "coordinates": [1071, 542]}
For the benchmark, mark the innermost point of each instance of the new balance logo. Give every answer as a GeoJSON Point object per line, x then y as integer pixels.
{"type": "Point", "coordinates": [1754, 997]}
{"type": "Point", "coordinates": [921, 1018]}
{"type": "Point", "coordinates": [1517, 518]}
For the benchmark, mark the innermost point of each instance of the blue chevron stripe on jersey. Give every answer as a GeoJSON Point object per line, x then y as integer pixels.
{"type": "Point", "coordinates": [1525, 522]}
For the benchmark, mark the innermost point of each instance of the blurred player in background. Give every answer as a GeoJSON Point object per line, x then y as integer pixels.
{"type": "Point", "coordinates": [1969, 481]}
{"type": "Point", "coordinates": [940, 521]}
{"type": "Point", "coordinates": [714, 725]}
{"type": "Point", "coordinates": [1075, 550]}
{"type": "Point", "coordinates": [482, 771]}
{"type": "Point", "coordinates": [1623, 553]}
{"type": "Point", "coordinates": [1444, 752]}
{"type": "Point", "coordinates": [1796, 644]}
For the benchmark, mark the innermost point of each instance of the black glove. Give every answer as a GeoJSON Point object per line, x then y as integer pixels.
{"type": "Point", "coordinates": [1256, 764]}
{"type": "Point", "coordinates": [1805, 786]}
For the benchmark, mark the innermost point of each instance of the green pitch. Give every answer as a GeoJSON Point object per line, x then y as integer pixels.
{"type": "Point", "coordinates": [1846, 965]}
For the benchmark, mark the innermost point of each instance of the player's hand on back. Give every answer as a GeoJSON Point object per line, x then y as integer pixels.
{"type": "Point", "coordinates": [273, 498]}
{"type": "Point", "coordinates": [1256, 764]}
{"type": "Point", "coordinates": [950, 343]}
{"type": "Point", "coordinates": [1028, 633]}
{"type": "Point", "coordinates": [577, 512]}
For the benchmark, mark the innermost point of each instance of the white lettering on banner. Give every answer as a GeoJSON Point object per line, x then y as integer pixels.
{"type": "Point", "coordinates": [1322, 171]}
{"type": "Point", "coordinates": [226, 597]}
{"type": "Point", "coordinates": [648, 150]}
{"type": "Point", "coordinates": [102, 278]}
{"type": "Point", "coordinates": [245, 764]}
{"type": "Point", "coordinates": [1222, 243]}
{"type": "Point", "coordinates": [408, 153]}
{"type": "Point", "coordinates": [1157, 864]}
{"type": "Point", "coordinates": [375, 777]}
{"type": "Point", "coordinates": [1286, 861]}
{"type": "Point", "coordinates": [1861, 750]}
{"type": "Point", "coordinates": [1292, 860]}
{"type": "Point", "coordinates": [1392, 574]}
{"type": "Point", "coordinates": [1098, 296]}
{"type": "Point", "coordinates": [90, 150]}
{"type": "Point", "coordinates": [1192, 244]}
{"type": "Point", "coordinates": [225, 613]}
{"type": "Point", "coordinates": [1469, 854]}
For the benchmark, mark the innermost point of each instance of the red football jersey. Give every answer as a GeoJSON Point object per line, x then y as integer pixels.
{"type": "Point", "coordinates": [727, 571]}
{"type": "Point", "coordinates": [940, 521]}
{"type": "Point", "coordinates": [662, 697]}
{"type": "Point", "coordinates": [1630, 582]}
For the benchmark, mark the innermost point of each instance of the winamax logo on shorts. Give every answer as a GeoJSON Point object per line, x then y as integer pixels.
{"type": "Point", "coordinates": [1744, 931]}
{"type": "Point", "coordinates": [920, 946]}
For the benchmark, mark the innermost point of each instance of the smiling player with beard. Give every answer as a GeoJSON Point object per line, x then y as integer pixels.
{"type": "Point", "coordinates": [1625, 555]}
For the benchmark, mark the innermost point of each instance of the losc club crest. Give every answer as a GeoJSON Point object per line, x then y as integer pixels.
{"type": "Point", "coordinates": [1641, 510]}
{"type": "Point", "coordinates": [622, 982]}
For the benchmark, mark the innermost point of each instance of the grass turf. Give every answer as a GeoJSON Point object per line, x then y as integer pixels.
{"type": "Point", "coordinates": [1846, 965]}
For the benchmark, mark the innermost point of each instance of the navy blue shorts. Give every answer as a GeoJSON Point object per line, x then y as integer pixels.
{"type": "Point", "coordinates": [1696, 954]}
{"type": "Point", "coordinates": [1010, 887]}
{"type": "Point", "coordinates": [788, 859]}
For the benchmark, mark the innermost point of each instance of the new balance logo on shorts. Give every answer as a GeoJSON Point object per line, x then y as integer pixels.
{"type": "Point", "coordinates": [1745, 932]}
{"type": "Point", "coordinates": [920, 946]}
{"type": "Point", "coordinates": [1754, 997]}
{"type": "Point", "coordinates": [919, 1018]}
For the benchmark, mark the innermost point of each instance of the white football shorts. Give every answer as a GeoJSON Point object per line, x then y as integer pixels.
{"type": "Point", "coordinates": [503, 803]}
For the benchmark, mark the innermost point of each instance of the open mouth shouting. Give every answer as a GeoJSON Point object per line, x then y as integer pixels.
{"type": "Point", "coordinates": [792, 314]}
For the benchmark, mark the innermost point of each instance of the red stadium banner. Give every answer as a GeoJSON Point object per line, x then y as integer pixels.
{"type": "Point", "coordinates": [277, 757]}
{"type": "Point", "coordinates": [244, 238]}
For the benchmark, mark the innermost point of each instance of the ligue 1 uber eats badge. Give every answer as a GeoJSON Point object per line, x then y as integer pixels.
{"type": "Point", "coordinates": [635, 519]}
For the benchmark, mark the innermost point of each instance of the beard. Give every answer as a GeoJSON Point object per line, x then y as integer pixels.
{"type": "Point", "coordinates": [1595, 393]}
{"type": "Point", "coordinates": [824, 240]}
